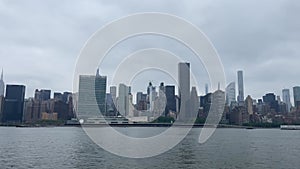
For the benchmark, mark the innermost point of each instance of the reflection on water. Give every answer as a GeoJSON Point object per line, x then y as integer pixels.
{"type": "Point", "coordinates": [65, 147]}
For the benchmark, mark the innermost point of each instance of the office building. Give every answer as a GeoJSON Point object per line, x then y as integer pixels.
{"type": "Point", "coordinates": [286, 98]}
{"type": "Point", "coordinates": [123, 100]}
{"type": "Point", "coordinates": [296, 91]}
{"type": "Point", "coordinates": [240, 86]}
{"type": "Point", "coordinates": [230, 93]}
{"type": "Point", "coordinates": [14, 103]}
{"type": "Point", "coordinates": [171, 99]}
{"type": "Point", "coordinates": [184, 90]}
{"type": "Point", "coordinates": [194, 102]}
{"type": "Point", "coordinates": [2, 85]}
{"type": "Point", "coordinates": [113, 93]}
{"type": "Point", "coordinates": [92, 96]}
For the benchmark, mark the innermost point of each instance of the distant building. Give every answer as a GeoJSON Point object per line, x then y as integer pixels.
{"type": "Point", "coordinates": [91, 96]}
{"type": "Point", "coordinates": [230, 93]}
{"type": "Point", "coordinates": [123, 100]}
{"type": "Point", "coordinates": [270, 99]}
{"type": "Point", "coordinates": [113, 93]}
{"type": "Point", "coordinates": [184, 91]}
{"type": "Point", "coordinates": [249, 105]}
{"type": "Point", "coordinates": [240, 86]}
{"type": "Point", "coordinates": [286, 98]}
{"type": "Point", "coordinates": [171, 99]}
{"type": "Point", "coordinates": [152, 94]}
{"type": "Point", "coordinates": [58, 96]}
{"type": "Point", "coordinates": [2, 85]}
{"type": "Point", "coordinates": [14, 103]}
{"type": "Point", "coordinates": [42, 95]}
{"type": "Point", "coordinates": [194, 102]}
{"type": "Point", "coordinates": [206, 88]}
{"type": "Point", "coordinates": [1, 107]}
{"type": "Point", "coordinates": [141, 101]}
{"type": "Point", "coordinates": [296, 91]}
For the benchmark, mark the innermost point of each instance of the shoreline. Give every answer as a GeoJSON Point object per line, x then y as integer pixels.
{"type": "Point", "coordinates": [152, 125]}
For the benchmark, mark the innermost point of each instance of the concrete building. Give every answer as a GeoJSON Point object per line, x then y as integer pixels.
{"type": "Point", "coordinates": [249, 105]}
{"type": "Point", "coordinates": [113, 93]}
{"type": "Point", "coordinates": [2, 85]}
{"type": "Point", "coordinates": [123, 100]}
{"type": "Point", "coordinates": [91, 96]}
{"type": "Point", "coordinates": [240, 86]}
{"type": "Point", "coordinates": [184, 91]}
{"type": "Point", "coordinates": [194, 102]}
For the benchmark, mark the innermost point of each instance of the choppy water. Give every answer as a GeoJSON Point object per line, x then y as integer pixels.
{"type": "Point", "coordinates": [69, 147]}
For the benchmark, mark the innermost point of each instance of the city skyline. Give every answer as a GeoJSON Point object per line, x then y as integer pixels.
{"type": "Point", "coordinates": [231, 89]}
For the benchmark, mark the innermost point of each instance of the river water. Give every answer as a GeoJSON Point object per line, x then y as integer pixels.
{"type": "Point", "coordinates": [69, 147]}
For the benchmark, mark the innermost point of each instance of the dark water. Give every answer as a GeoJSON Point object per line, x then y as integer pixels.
{"type": "Point", "coordinates": [228, 148]}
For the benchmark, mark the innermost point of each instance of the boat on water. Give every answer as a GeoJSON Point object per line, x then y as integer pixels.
{"type": "Point", "coordinates": [290, 127]}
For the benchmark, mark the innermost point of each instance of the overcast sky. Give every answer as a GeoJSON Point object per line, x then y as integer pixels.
{"type": "Point", "coordinates": [40, 40]}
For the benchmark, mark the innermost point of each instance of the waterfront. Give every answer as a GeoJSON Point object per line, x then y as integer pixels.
{"type": "Point", "coordinates": [69, 147]}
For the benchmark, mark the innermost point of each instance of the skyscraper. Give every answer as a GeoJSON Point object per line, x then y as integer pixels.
{"type": "Point", "coordinates": [113, 93]}
{"type": "Point", "coordinates": [14, 103]}
{"type": "Point", "coordinates": [184, 90]}
{"type": "Point", "coordinates": [230, 93]}
{"type": "Point", "coordinates": [2, 85]}
{"type": "Point", "coordinates": [240, 86]}
{"type": "Point", "coordinates": [123, 100]}
{"type": "Point", "coordinates": [270, 99]}
{"type": "Point", "coordinates": [194, 102]}
{"type": "Point", "coordinates": [296, 91]}
{"type": "Point", "coordinates": [42, 95]}
{"type": "Point", "coordinates": [249, 105]}
{"type": "Point", "coordinates": [91, 96]}
{"type": "Point", "coordinates": [206, 89]}
{"type": "Point", "coordinates": [171, 100]}
{"type": "Point", "coordinates": [286, 98]}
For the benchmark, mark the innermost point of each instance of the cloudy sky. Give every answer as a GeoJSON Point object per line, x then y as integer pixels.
{"type": "Point", "coordinates": [40, 40]}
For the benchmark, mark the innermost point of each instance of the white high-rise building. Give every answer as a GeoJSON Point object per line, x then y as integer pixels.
{"type": "Point", "coordinates": [2, 85]}
{"type": "Point", "coordinates": [230, 93]}
{"type": "Point", "coordinates": [184, 90]}
{"type": "Point", "coordinates": [91, 96]}
{"type": "Point", "coordinates": [195, 102]}
{"type": "Point", "coordinates": [241, 97]}
{"type": "Point", "coordinates": [123, 100]}
{"type": "Point", "coordinates": [286, 98]}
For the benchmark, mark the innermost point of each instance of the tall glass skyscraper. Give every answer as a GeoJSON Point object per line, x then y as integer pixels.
{"type": "Point", "coordinates": [230, 93]}
{"type": "Point", "coordinates": [14, 103]}
{"type": "Point", "coordinates": [296, 91]}
{"type": "Point", "coordinates": [240, 86]}
{"type": "Point", "coordinates": [286, 98]}
{"type": "Point", "coordinates": [92, 96]}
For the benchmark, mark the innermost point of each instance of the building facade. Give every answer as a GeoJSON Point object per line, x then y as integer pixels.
{"type": "Point", "coordinates": [13, 104]}
{"type": "Point", "coordinates": [91, 96]}
{"type": "Point", "coordinates": [230, 93]}
{"type": "Point", "coordinates": [240, 86]}
{"type": "Point", "coordinates": [184, 91]}
{"type": "Point", "coordinates": [296, 91]}
{"type": "Point", "coordinates": [286, 98]}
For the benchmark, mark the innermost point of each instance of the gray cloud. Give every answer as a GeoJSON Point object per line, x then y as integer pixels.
{"type": "Point", "coordinates": [40, 40]}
